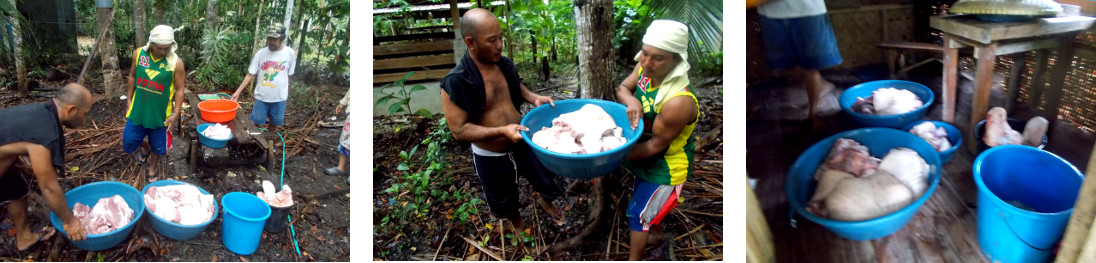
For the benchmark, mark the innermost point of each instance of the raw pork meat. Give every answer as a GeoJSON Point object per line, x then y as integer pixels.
{"type": "Point", "coordinates": [218, 132]}
{"type": "Point", "coordinates": [850, 157]}
{"type": "Point", "coordinates": [183, 204]}
{"type": "Point", "coordinates": [281, 198]}
{"type": "Point", "coordinates": [900, 179]}
{"type": "Point", "coordinates": [587, 130]}
{"type": "Point", "coordinates": [888, 101]}
{"type": "Point", "coordinates": [935, 136]}
{"type": "Point", "coordinates": [109, 214]}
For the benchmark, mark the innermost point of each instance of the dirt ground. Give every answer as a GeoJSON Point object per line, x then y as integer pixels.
{"type": "Point", "coordinates": [693, 231]}
{"type": "Point", "coordinates": [320, 218]}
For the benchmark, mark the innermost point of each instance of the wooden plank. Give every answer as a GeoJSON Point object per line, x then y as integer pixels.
{"type": "Point", "coordinates": [987, 32]}
{"type": "Point", "coordinates": [1019, 64]}
{"type": "Point", "coordinates": [1038, 82]}
{"type": "Point", "coordinates": [951, 66]}
{"type": "Point", "coordinates": [1078, 230]}
{"type": "Point", "coordinates": [439, 35]}
{"type": "Point", "coordinates": [1009, 48]}
{"type": "Point", "coordinates": [983, 79]}
{"type": "Point", "coordinates": [454, 14]}
{"type": "Point", "coordinates": [419, 75]}
{"type": "Point", "coordinates": [413, 62]}
{"type": "Point", "coordinates": [393, 49]}
{"type": "Point", "coordinates": [1062, 65]}
{"type": "Point", "coordinates": [912, 46]}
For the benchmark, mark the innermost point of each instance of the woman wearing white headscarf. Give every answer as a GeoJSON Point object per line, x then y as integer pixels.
{"type": "Point", "coordinates": [155, 96]}
{"type": "Point", "coordinates": [657, 93]}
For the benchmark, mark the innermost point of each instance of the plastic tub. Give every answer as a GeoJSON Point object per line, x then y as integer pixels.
{"type": "Point", "coordinates": [245, 216]}
{"type": "Point", "coordinates": [864, 90]}
{"type": "Point", "coordinates": [580, 166]}
{"type": "Point", "coordinates": [218, 110]}
{"type": "Point", "coordinates": [1046, 183]}
{"type": "Point", "coordinates": [1013, 123]}
{"type": "Point", "coordinates": [955, 137]}
{"type": "Point", "coordinates": [210, 142]}
{"type": "Point", "coordinates": [174, 230]}
{"type": "Point", "coordinates": [800, 184]}
{"type": "Point", "coordinates": [89, 194]}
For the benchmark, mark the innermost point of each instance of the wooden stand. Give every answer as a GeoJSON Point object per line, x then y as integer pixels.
{"type": "Point", "coordinates": [992, 39]}
{"type": "Point", "coordinates": [248, 145]}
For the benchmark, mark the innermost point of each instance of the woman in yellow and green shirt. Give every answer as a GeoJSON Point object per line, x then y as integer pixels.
{"type": "Point", "coordinates": [657, 93]}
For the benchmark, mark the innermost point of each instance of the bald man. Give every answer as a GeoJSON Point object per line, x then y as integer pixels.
{"type": "Point", "coordinates": [34, 131]}
{"type": "Point", "coordinates": [480, 98]}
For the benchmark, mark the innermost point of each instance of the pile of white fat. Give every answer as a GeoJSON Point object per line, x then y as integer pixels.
{"type": "Point", "coordinates": [587, 130]}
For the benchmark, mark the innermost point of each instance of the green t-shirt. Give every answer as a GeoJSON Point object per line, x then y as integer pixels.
{"type": "Point", "coordinates": [154, 91]}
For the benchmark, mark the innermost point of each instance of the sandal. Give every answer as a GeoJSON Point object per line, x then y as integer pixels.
{"type": "Point", "coordinates": [152, 178]}
{"type": "Point", "coordinates": [334, 171]}
{"type": "Point", "coordinates": [46, 233]}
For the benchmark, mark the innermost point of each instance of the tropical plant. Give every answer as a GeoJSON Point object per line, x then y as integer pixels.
{"type": "Point", "coordinates": [399, 101]}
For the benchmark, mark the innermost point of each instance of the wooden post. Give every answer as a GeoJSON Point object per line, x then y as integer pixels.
{"type": "Point", "coordinates": [1080, 222]}
{"type": "Point", "coordinates": [951, 65]}
{"type": "Point", "coordinates": [1062, 65]}
{"type": "Point", "coordinates": [1038, 82]}
{"type": "Point", "coordinates": [983, 79]}
{"type": "Point", "coordinates": [759, 239]}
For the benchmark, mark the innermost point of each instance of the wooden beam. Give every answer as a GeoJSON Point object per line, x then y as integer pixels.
{"type": "Point", "coordinates": [1005, 49]}
{"type": "Point", "coordinates": [442, 35]}
{"type": "Point", "coordinates": [1019, 66]}
{"type": "Point", "coordinates": [419, 75]}
{"type": "Point", "coordinates": [983, 80]}
{"type": "Point", "coordinates": [1078, 231]}
{"type": "Point", "coordinates": [413, 62]}
{"type": "Point", "coordinates": [392, 49]}
{"type": "Point", "coordinates": [950, 79]}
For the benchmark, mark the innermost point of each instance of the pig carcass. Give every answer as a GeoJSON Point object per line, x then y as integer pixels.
{"type": "Point", "coordinates": [587, 130]}
{"type": "Point", "coordinates": [935, 136]}
{"type": "Point", "coordinates": [900, 179]}
{"type": "Point", "coordinates": [999, 132]}
{"type": "Point", "coordinates": [183, 204]}
{"type": "Point", "coordinates": [281, 198]}
{"type": "Point", "coordinates": [888, 101]}
{"type": "Point", "coordinates": [109, 214]}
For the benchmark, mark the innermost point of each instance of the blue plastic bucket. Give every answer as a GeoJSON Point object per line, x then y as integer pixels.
{"type": "Point", "coordinates": [242, 227]}
{"type": "Point", "coordinates": [580, 166]}
{"type": "Point", "coordinates": [864, 90]}
{"type": "Point", "coordinates": [174, 230]}
{"type": "Point", "coordinates": [800, 184]}
{"type": "Point", "coordinates": [89, 194]}
{"type": "Point", "coordinates": [955, 137]}
{"type": "Point", "coordinates": [1040, 180]}
{"type": "Point", "coordinates": [210, 142]}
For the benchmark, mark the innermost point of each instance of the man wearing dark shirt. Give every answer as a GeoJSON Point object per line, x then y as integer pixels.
{"type": "Point", "coordinates": [34, 130]}
{"type": "Point", "coordinates": [480, 98]}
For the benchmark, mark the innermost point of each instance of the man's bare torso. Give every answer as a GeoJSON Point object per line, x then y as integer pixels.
{"type": "Point", "coordinates": [500, 110]}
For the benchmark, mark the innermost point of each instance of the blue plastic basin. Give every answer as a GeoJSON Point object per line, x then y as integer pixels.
{"type": "Point", "coordinates": [955, 137]}
{"type": "Point", "coordinates": [864, 90]}
{"type": "Point", "coordinates": [210, 142]}
{"type": "Point", "coordinates": [800, 184]}
{"type": "Point", "coordinates": [1042, 181]}
{"type": "Point", "coordinates": [174, 230]}
{"type": "Point", "coordinates": [89, 194]}
{"type": "Point", "coordinates": [580, 166]}
{"type": "Point", "coordinates": [242, 226]}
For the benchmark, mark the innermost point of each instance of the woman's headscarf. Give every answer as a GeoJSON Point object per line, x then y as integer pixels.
{"type": "Point", "coordinates": [671, 36]}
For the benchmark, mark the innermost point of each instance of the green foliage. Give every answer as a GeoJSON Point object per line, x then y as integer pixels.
{"type": "Point", "coordinates": [399, 101]}
{"type": "Point", "coordinates": [421, 184]}
{"type": "Point", "coordinates": [221, 66]}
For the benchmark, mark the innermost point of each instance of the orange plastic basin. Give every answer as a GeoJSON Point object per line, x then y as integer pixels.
{"type": "Point", "coordinates": [218, 110]}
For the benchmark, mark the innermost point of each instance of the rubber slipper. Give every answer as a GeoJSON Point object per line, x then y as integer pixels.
{"type": "Point", "coordinates": [46, 233]}
{"type": "Point", "coordinates": [152, 178]}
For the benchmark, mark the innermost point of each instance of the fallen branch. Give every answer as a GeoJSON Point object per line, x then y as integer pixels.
{"type": "Point", "coordinates": [442, 243]}
{"type": "Point", "coordinates": [481, 249]}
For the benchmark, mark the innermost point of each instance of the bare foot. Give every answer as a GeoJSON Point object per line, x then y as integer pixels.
{"type": "Point", "coordinates": [553, 211]}
{"type": "Point", "coordinates": [22, 244]}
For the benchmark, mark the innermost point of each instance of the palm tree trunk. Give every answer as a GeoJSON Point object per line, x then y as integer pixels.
{"type": "Point", "coordinates": [20, 64]}
{"type": "Point", "coordinates": [594, 39]}
{"type": "Point", "coordinates": [139, 21]}
{"type": "Point", "coordinates": [112, 84]}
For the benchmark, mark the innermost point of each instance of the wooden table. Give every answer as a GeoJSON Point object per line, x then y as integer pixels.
{"type": "Point", "coordinates": [244, 134]}
{"type": "Point", "coordinates": [991, 39]}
